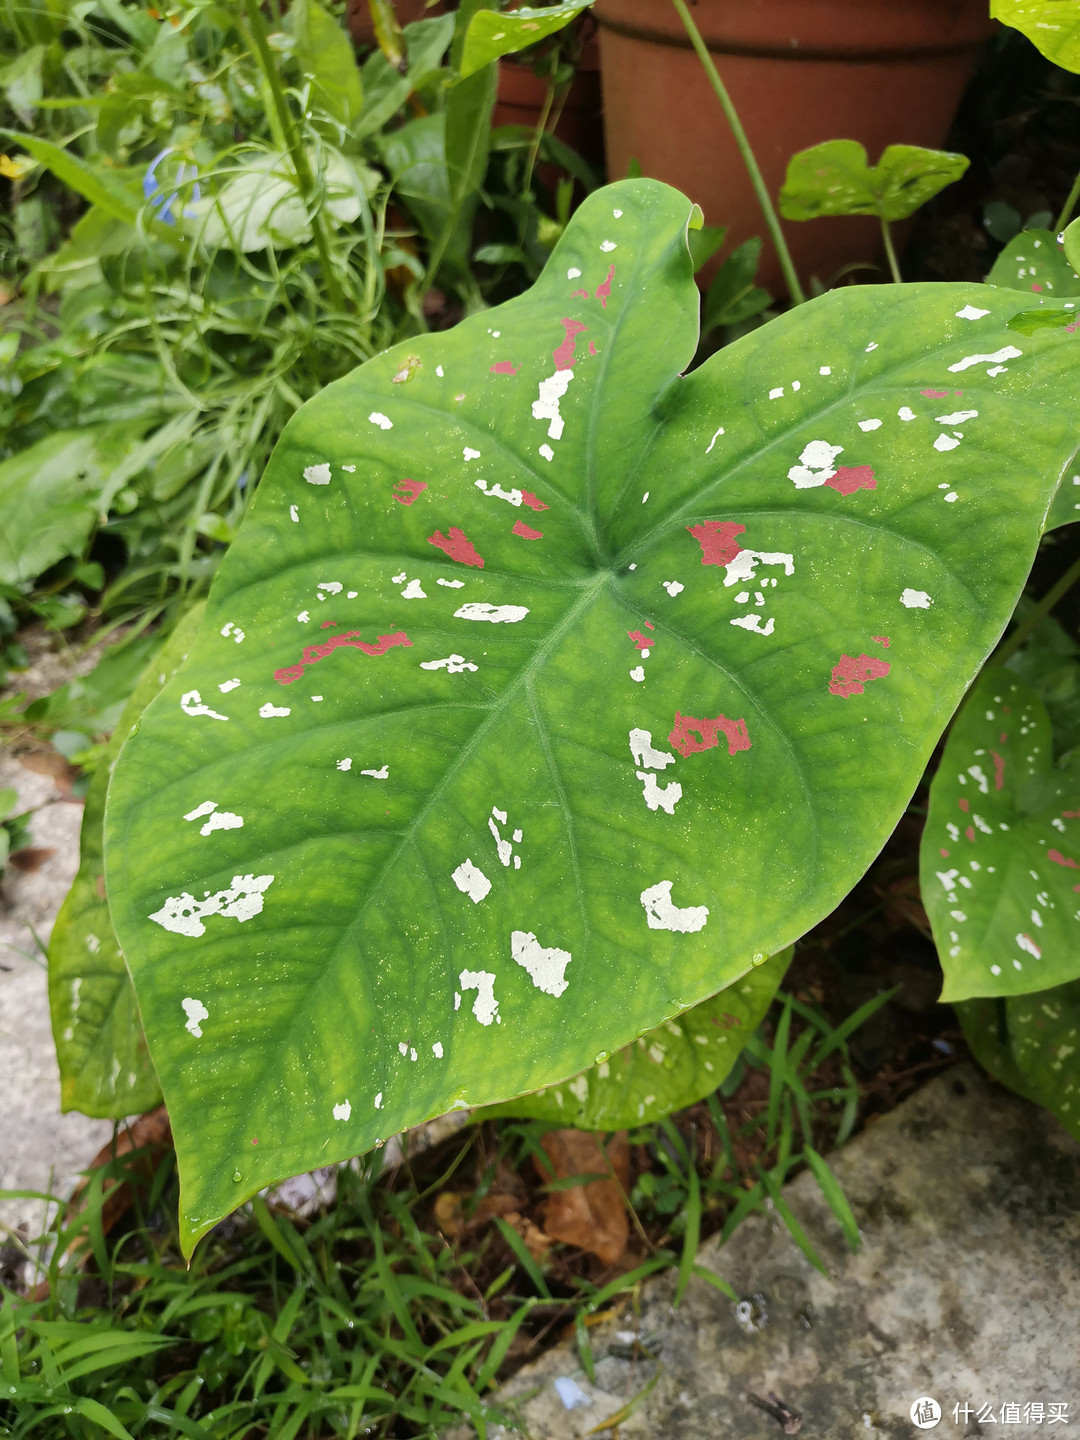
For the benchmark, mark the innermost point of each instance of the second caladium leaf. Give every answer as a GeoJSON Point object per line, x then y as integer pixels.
{"type": "Point", "coordinates": [543, 690]}
{"type": "Point", "coordinates": [1000, 862]}
{"type": "Point", "coordinates": [1053, 26]}
{"type": "Point", "coordinates": [836, 178]}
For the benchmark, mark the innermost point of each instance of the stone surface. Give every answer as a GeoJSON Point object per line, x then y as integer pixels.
{"type": "Point", "coordinates": [966, 1288]}
{"type": "Point", "coordinates": [40, 1149]}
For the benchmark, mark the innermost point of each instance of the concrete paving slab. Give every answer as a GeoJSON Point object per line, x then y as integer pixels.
{"type": "Point", "coordinates": [966, 1290]}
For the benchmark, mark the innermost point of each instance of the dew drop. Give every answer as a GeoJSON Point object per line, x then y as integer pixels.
{"type": "Point", "coordinates": [237, 1176]}
{"type": "Point", "coordinates": [758, 959]}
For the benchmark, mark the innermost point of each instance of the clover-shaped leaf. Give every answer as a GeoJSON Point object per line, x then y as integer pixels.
{"type": "Point", "coordinates": [545, 688]}
{"type": "Point", "coordinates": [836, 178]}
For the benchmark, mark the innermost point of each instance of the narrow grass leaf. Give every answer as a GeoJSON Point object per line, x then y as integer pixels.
{"type": "Point", "coordinates": [838, 1202]}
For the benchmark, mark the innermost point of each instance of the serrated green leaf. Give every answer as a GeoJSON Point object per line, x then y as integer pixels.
{"type": "Point", "coordinates": [1000, 857]}
{"type": "Point", "coordinates": [1034, 261]}
{"type": "Point", "coordinates": [665, 1069]}
{"type": "Point", "coordinates": [1031, 1043]}
{"type": "Point", "coordinates": [494, 33]}
{"type": "Point", "coordinates": [836, 178]}
{"type": "Point", "coordinates": [336, 936]}
{"type": "Point", "coordinates": [104, 1065]}
{"type": "Point", "coordinates": [1052, 26]}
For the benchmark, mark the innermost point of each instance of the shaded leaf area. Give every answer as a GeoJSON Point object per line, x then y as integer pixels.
{"type": "Point", "coordinates": [1031, 1043]}
{"type": "Point", "coordinates": [664, 1070]}
{"type": "Point", "coordinates": [1000, 859]}
{"type": "Point", "coordinates": [1034, 261]}
{"type": "Point", "coordinates": [817, 536]}
{"type": "Point", "coordinates": [836, 178]}
{"type": "Point", "coordinates": [1049, 661]}
{"type": "Point", "coordinates": [1053, 26]}
{"type": "Point", "coordinates": [105, 1068]}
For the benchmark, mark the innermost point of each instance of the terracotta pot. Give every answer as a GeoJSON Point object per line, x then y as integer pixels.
{"type": "Point", "coordinates": [799, 72]}
{"type": "Point", "coordinates": [358, 17]}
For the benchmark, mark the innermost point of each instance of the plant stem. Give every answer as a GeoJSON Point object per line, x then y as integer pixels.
{"type": "Point", "coordinates": [772, 220]}
{"type": "Point", "coordinates": [304, 178]}
{"type": "Point", "coordinates": [890, 253]}
{"type": "Point", "coordinates": [1010, 646]}
{"type": "Point", "coordinates": [1069, 206]}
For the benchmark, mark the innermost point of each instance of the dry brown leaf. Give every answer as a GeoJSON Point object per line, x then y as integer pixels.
{"type": "Point", "coordinates": [591, 1216]}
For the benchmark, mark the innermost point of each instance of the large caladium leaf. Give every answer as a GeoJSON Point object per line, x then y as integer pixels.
{"type": "Point", "coordinates": [1000, 861]}
{"type": "Point", "coordinates": [104, 1065]}
{"type": "Point", "coordinates": [1032, 1044]}
{"type": "Point", "coordinates": [663, 1070]}
{"type": "Point", "coordinates": [543, 689]}
{"type": "Point", "coordinates": [1051, 25]}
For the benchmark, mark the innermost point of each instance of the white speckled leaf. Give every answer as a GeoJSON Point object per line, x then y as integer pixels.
{"type": "Point", "coordinates": [663, 1070]}
{"type": "Point", "coordinates": [1053, 26]}
{"type": "Point", "coordinates": [566, 686]}
{"type": "Point", "coordinates": [1034, 262]}
{"type": "Point", "coordinates": [1032, 1044]}
{"type": "Point", "coordinates": [1000, 859]}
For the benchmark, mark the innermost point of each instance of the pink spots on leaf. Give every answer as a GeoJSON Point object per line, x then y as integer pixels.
{"type": "Point", "coordinates": [580, 295]}
{"type": "Point", "coordinates": [1070, 814]}
{"type": "Point", "coordinates": [881, 640]}
{"type": "Point", "coordinates": [970, 833]}
{"type": "Point", "coordinates": [999, 769]}
{"type": "Point", "coordinates": [410, 488]}
{"type": "Point", "coordinates": [685, 728]}
{"type": "Point", "coordinates": [850, 478]}
{"type": "Point", "coordinates": [965, 805]}
{"type": "Point", "coordinates": [851, 674]}
{"type": "Point", "coordinates": [328, 624]}
{"type": "Point", "coordinates": [504, 367]}
{"type": "Point", "coordinates": [529, 499]}
{"type": "Point", "coordinates": [1035, 285]}
{"type": "Point", "coordinates": [351, 640]}
{"type": "Point", "coordinates": [643, 642]}
{"type": "Point", "coordinates": [592, 347]}
{"type": "Point", "coordinates": [563, 355]}
{"type": "Point", "coordinates": [1059, 859]}
{"type": "Point", "coordinates": [944, 854]}
{"type": "Point", "coordinates": [603, 290]}
{"type": "Point", "coordinates": [520, 528]}
{"type": "Point", "coordinates": [457, 546]}
{"type": "Point", "coordinates": [717, 540]}
{"type": "Point", "coordinates": [935, 394]}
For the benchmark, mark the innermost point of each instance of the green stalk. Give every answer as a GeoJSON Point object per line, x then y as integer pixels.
{"type": "Point", "coordinates": [1069, 206]}
{"type": "Point", "coordinates": [304, 177]}
{"type": "Point", "coordinates": [772, 220]}
{"type": "Point", "coordinates": [1010, 646]}
{"type": "Point", "coordinates": [890, 253]}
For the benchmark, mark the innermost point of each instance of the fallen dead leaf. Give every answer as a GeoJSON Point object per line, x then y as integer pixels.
{"type": "Point", "coordinates": [30, 858]}
{"type": "Point", "coordinates": [591, 1216]}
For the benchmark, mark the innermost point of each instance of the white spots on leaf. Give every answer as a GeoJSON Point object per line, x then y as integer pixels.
{"type": "Point", "coordinates": [496, 614]}
{"type": "Point", "coordinates": [196, 1013]}
{"type": "Point", "coordinates": [547, 452]}
{"type": "Point", "coordinates": [382, 421]}
{"type": "Point", "coordinates": [573, 273]}
{"type": "Point", "coordinates": [414, 591]}
{"type": "Point", "coordinates": [817, 463]}
{"type": "Point", "coordinates": [979, 776]}
{"type": "Point", "coordinates": [1036, 918]}
{"type": "Point", "coordinates": [1028, 945]}
{"type": "Point", "coordinates": [227, 685]}
{"type": "Point", "coordinates": [294, 514]}
{"type": "Point", "coordinates": [796, 385]}
{"type": "Point", "coordinates": [378, 1100]}
{"type": "Point", "coordinates": [403, 1049]}
{"type": "Point", "coordinates": [231, 631]}
{"type": "Point", "coordinates": [316, 699]}
{"type": "Point", "coordinates": [468, 454]}
{"type": "Point", "coordinates": [191, 704]}
{"type": "Point", "coordinates": [655, 797]}
{"type": "Point", "coordinates": [317, 474]}
{"type": "Point", "coordinates": [345, 764]}
{"type": "Point", "coordinates": [546, 966]}
{"type": "Point", "coordinates": [947, 878]}
{"type": "Point", "coordinates": [304, 617]}
{"type": "Point", "coordinates": [744, 566]}
{"type": "Point", "coordinates": [332, 587]}
{"type": "Point", "coordinates": [485, 1006]}
{"type": "Point", "coordinates": [824, 370]}
{"type": "Point", "coordinates": [382, 773]}
{"type": "Point", "coordinates": [342, 1111]}
{"type": "Point", "coordinates": [453, 664]}
{"type": "Point", "coordinates": [607, 246]}
{"type": "Point", "coordinates": [950, 497]}
{"type": "Point", "coordinates": [753, 622]}
{"type": "Point", "coordinates": [906, 413]}
{"type": "Point", "coordinates": [714, 439]}
{"type": "Point", "coordinates": [958, 417]}
{"type": "Point", "coordinates": [514, 497]}
{"type": "Point", "coordinates": [641, 748]}
{"type": "Point", "coordinates": [546, 405]}
{"type": "Point", "coordinates": [617, 214]}
{"type": "Point", "coordinates": [915, 599]}
{"type": "Point", "coordinates": [451, 584]}
{"type": "Point", "coordinates": [662, 914]}
{"type": "Point", "coordinates": [969, 312]}
{"type": "Point", "coordinates": [437, 1050]}
{"type": "Point", "coordinates": [273, 712]}
{"type": "Point", "coordinates": [869, 424]}
{"type": "Point", "coordinates": [471, 881]}
{"type": "Point", "coordinates": [1007, 352]}
{"type": "Point", "coordinates": [673, 587]}
{"type": "Point", "coordinates": [777, 393]}
{"type": "Point", "coordinates": [504, 847]}
{"type": "Point", "coordinates": [872, 346]}
{"type": "Point", "coordinates": [946, 442]}
{"type": "Point", "coordinates": [645, 497]}
{"type": "Point", "coordinates": [638, 673]}
{"type": "Point", "coordinates": [93, 944]}
{"type": "Point", "coordinates": [351, 469]}
{"type": "Point", "coordinates": [242, 900]}
{"type": "Point", "coordinates": [221, 820]}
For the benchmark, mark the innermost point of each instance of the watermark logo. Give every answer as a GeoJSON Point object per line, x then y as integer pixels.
{"type": "Point", "coordinates": [925, 1412]}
